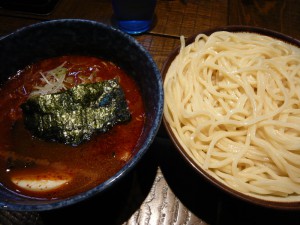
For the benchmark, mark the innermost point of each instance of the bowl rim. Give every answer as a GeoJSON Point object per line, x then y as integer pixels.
{"type": "Point", "coordinates": [45, 205]}
{"type": "Point", "coordinates": [290, 205]}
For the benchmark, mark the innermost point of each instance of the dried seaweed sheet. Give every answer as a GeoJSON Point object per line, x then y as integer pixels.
{"type": "Point", "coordinates": [74, 115]}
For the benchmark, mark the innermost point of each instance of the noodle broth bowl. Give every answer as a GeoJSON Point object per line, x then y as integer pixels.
{"type": "Point", "coordinates": [222, 114]}
{"type": "Point", "coordinates": [105, 94]}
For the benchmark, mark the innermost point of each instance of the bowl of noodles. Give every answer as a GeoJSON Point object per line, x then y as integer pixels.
{"type": "Point", "coordinates": [232, 110]}
{"type": "Point", "coordinates": [81, 104]}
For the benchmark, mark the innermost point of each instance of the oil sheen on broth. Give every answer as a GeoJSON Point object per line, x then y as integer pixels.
{"type": "Point", "coordinates": [25, 159]}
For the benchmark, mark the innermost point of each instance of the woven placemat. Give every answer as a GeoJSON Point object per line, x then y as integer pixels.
{"type": "Point", "coordinates": [19, 218]}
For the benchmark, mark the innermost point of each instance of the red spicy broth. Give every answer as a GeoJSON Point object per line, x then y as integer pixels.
{"type": "Point", "coordinates": [88, 164]}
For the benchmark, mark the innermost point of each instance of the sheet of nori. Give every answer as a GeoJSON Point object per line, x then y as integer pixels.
{"type": "Point", "coordinates": [74, 115]}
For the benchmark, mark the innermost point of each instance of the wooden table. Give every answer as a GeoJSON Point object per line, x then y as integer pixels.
{"type": "Point", "coordinates": [163, 189]}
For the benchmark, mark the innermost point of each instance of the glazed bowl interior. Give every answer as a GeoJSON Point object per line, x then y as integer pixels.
{"type": "Point", "coordinates": [292, 203]}
{"type": "Point", "coordinates": [83, 37]}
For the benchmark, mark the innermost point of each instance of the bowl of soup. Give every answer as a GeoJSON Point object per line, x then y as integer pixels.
{"type": "Point", "coordinates": [232, 111]}
{"type": "Point", "coordinates": [81, 104]}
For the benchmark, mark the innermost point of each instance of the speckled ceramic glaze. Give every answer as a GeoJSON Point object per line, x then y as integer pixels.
{"type": "Point", "coordinates": [83, 37]}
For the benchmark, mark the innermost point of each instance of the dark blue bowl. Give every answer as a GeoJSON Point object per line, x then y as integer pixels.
{"type": "Point", "coordinates": [83, 37]}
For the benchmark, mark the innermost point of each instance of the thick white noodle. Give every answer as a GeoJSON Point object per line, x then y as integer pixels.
{"type": "Point", "coordinates": [233, 102]}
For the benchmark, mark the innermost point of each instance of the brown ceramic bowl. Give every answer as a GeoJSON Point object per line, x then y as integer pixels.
{"type": "Point", "coordinates": [288, 204]}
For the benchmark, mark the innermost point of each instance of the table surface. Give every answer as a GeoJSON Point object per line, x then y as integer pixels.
{"type": "Point", "coordinates": [163, 189]}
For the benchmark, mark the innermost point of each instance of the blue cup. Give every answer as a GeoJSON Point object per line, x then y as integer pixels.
{"type": "Point", "coordinates": [134, 16]}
